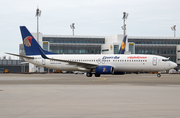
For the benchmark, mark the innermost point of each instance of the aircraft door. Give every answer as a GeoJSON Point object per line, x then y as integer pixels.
{"type": "Point", "coordinates": [154, 61]}
{"type": "Point", "coordinates": [43, 61]}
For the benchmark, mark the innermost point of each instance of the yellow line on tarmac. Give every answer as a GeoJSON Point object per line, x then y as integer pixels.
{"type": "Point", "coordinates": [101, 79]}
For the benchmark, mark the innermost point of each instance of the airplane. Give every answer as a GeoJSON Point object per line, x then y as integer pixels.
{"type": "Point", "coordinates": [92, 64]}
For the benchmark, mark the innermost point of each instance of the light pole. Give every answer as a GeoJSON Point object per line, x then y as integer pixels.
{"type": "Point", "coordinates": [174, 29]}
{"type": "Point", "coordinates": [125, 15]}
{"type": "Point", "coordinates": [72, 27]}
{"type": "Point", "coordinates": [38, 14]}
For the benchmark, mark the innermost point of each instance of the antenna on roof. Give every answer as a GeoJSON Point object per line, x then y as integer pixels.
{"type": "Point", "coordinates": [38, 14]}
{"type": "Point", "coordinates": [174, 29]}
{"type": "Point", "coordinates": [125, 15]}
{"type": "Point", "coordinates": [72, 27]}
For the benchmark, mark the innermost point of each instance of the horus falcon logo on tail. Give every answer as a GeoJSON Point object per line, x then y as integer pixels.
{"type": "Point", "coordinates": [28, 41]}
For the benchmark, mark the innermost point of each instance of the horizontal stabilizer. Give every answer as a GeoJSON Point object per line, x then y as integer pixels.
{"type": "Point", "coordinates": [21, 56]}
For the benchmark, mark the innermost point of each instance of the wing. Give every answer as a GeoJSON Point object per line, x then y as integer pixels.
{"type": "Point", "coordinates": [76, 63]}
{"type": "Point", "coordinates": [79, 64]}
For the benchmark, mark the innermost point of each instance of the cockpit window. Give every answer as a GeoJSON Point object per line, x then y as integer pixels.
{"type": "Point", "coordinates": [165, 60]}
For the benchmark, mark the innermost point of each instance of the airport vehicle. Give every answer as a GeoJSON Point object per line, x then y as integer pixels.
{"type": "Point", "coordinates": [78, 72]}
{"type": "Point", "coordinates": [1, 70]}
{"type": "Point", "coordinates": [6, 71]}
{"type": "Point", "coordinates": [58, 71]}
{"type": "Point", "coordinates": [92, 64]}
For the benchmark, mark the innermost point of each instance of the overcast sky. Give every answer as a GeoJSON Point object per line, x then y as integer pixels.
{"type": "Point", "coordinates": [91, 17]}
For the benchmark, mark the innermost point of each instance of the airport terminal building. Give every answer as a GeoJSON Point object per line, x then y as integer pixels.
{"type": "Point", "coordinates": [68, 44]}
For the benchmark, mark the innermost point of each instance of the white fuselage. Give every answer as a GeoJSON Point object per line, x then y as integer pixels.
{"type": "Point", "coordinates": [121, 63]}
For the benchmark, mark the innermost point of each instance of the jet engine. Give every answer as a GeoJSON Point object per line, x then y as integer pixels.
{"type": "Point", "coordinates": [104, 70]}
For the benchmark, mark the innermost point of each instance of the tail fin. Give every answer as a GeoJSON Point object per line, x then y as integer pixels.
{"type": "Point", "coordinates": [30, 44]}
{"type": "Point", "coordinates": [123, 45]}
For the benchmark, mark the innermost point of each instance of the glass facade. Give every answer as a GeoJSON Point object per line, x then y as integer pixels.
{"type": "Point", "coordinates": [73, 45]}
{"type": "Point", "coordinates": [116, 49]}
{"type": "Point", "coordinates": [163, 47]}
{"type": "Point", "coordinates": [154, 41]}
{"type": "Point", "coordinates": [75, 49]}
{"type": "Point", "coordinates": [46, 46]}
{"type": "Point", "coordinates": [74, 40]}
{"type": "Point", "coordinates": [132, 48]}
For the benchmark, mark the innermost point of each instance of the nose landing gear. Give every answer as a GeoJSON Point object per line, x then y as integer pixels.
{"type": "Point", "coordinates": [158, 75]}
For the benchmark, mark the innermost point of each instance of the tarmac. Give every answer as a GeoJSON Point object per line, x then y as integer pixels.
{"type": "Point", "coordinates": [78, 96]}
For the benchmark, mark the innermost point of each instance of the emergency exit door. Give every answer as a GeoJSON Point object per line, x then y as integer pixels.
{"type": "Point", "coordinates": [43, 61]}
{"type": "Point", "coordinates": [154, 61]}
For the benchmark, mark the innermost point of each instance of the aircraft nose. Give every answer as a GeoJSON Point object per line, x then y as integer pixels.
{"type": "Point", "coordinates": [173, 65]}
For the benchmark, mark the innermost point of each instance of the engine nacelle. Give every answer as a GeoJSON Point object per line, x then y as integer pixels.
{"type": "Point", "coordinates": [104, 70]}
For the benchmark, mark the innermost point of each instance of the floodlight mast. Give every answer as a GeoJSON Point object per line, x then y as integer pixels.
{"type": "Point", "coordinates": [174, 29]}
{"type": "Point", "coordinates": [38, 14]}
{"type": "Point", "coordinates": [72, 27]}
{"type": "Point", "coordinates": [125, 15]}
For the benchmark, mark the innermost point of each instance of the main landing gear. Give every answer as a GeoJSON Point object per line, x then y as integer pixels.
{"type": "Point", "coordinates": [90, 74]}
{"type": "Point", "coordinates": [97, 75]}
{"type": "Point", "coordinates": [158, 75]}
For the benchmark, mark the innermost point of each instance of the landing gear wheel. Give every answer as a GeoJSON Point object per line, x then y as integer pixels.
{"type": "Point", "coordinates": [97, 75]}
{"type": "Point", "coordinates": [158, 75]}
{"type": "Point", "coordinates": [89, 74]}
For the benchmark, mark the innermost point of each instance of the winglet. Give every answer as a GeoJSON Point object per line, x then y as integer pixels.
{"type": "Point", "coordinates": [123, 45]}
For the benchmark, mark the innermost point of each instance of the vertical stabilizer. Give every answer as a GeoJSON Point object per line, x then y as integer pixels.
{"type": "Point", "coordinates": [31, 46]}
{"type": "Point", "coordinates": [123, 45]}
